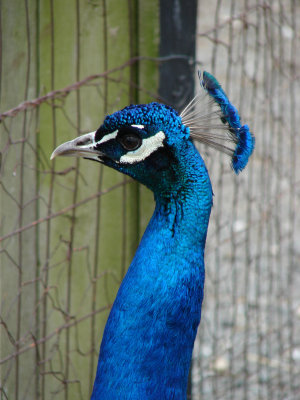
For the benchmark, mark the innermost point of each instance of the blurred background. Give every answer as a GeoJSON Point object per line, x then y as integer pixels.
{"type": "Point", "coordinates": [69, 228]}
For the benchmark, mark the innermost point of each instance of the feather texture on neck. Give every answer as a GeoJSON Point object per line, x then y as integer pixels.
{"type": "Point", "coordinates": [149, 337]}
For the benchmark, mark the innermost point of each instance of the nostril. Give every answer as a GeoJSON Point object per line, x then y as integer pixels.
{"type": "Point", "coordinates": [83, 142]}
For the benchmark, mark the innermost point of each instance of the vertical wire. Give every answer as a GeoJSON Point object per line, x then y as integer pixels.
{"type": "Point", "coordinates": [272, 74]}
{"type": "Point", "coordinates": [259, 240]}
{"type": "Point", "coordinates": [216, 23]}
{"type": "Point", "coordinates": [278, 214]}
{"type": "Point", "coordinates": [133, 13]}
{"type": "Point", "coordinates": [21, 210]}
{"type": "Point", "coordinates": [49, 210]}
{"type": "Point", "coordinates": [37, 205]}
{"type": "Point", "coordinates": [249, 241]}
{"type": "Point", "coordinates": [97, 234]}
{"type": "Point", "coordinates": [262, 327]}
{"type": "Point", "coordinates": [292, 197]}
{"type": "Point", "coordinates": [73, 216]}
{"type": "Point", "coordinates": [230, 48]}
{"type": "Point", "coordinates": [269, 232]}
{"type": "Point", "coordinates": [267, 142]}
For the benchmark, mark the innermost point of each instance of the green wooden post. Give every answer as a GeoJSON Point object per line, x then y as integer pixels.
{"type": "Point", "coordinates": [60, 273]}
{"type": "Point", "coordinates": [19, 256]}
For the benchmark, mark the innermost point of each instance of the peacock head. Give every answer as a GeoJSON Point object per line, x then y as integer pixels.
{"type": "Point", "coordinates": [144, 141]}
{"type": "Point", "coordinates": [150, 142]}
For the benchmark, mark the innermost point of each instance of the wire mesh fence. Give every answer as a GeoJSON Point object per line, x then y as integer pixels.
{"type": "Point", "coordinates": [59, 236]}
{"type": "Point", "coordinates": [248, 344]}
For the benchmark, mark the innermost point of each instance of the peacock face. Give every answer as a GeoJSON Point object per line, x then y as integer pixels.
{"type": "Point", "coordinates": [151, 142]}
{"type": "Point", "coordinates": [143, 141]}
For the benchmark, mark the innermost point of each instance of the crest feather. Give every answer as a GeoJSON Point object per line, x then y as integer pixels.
{"type": "Point", "coordinates": [214, 121]}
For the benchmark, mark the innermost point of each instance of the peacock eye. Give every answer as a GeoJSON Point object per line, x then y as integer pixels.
{"type": "Point", "coordinates": [130, 141]}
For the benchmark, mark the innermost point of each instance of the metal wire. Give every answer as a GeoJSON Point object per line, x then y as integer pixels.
{"type": "Point", "coordinates": [247, 346]}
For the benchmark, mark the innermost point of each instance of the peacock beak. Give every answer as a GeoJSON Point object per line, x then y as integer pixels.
{"type": "Point", "coordinates": [82, 146]}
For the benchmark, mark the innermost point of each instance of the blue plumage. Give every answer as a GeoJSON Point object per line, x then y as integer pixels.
{"type": "Point", "coordinates": [149, 336]}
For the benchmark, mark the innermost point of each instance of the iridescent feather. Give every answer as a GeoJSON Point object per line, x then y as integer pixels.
{"type": "Point", "coordinates": [214, 121]}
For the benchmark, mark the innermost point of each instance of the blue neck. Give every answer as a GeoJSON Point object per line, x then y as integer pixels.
{"type": "Point", "coordinates": [149, 336]}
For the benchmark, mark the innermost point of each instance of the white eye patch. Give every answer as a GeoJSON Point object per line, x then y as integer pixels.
{"type": "Point", "coordinates": [114, 134]}
{"type": "Point", "coordinates": [108, 137]}
{"type": "Point", "coordinates": [148, 146]}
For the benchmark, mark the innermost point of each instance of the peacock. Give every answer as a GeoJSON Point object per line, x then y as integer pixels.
{"type": "Point", "coordinates": [149, 336]}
